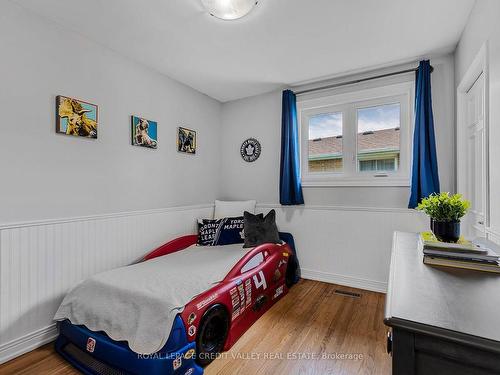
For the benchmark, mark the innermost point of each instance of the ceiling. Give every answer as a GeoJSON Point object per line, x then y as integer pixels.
{"type": "Point", "coordinates": [281, 42]}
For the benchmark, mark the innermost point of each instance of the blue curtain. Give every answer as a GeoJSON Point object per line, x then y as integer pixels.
{"type": "Point", "coordinates": [290, 187]}
{"type": "Point", "coordinates": [424, 179]}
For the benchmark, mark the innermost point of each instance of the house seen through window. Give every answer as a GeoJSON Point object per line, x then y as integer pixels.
{"type": "Point", "coordinates": [325, 142]}
{"type": "Point", "coordinates": [378, 141]}
{"type": "Point", "coordinates": [358, 138]}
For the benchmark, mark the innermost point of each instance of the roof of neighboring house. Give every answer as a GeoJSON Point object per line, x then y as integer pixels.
{"type": "Point", "coordinates": [379, 140]}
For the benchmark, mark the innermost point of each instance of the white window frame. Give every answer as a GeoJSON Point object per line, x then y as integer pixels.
{"type": "Point", "coordinates": [348, 103]}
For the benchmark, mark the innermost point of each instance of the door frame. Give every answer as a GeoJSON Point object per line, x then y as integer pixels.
{"type": "Point", "coordinates": [479, 66]}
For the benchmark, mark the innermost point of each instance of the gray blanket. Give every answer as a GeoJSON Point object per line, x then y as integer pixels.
{"type": "Point", "coordinates": [138, 303]}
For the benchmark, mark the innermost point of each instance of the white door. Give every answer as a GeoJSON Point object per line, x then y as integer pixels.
{"type": "Point", "coordinates": [475, 159]}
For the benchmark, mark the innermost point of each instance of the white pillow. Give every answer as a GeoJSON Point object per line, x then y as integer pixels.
{"type": "Point", "coordinates": [233, 208]}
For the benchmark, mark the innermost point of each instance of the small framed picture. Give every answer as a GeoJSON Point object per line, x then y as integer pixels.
{"type": "Point", "coordinates": [186, 141]}
{"type": "Point", "coordinates": [76, 117]}
{"type": "Point", "coordinates": [144, 132]}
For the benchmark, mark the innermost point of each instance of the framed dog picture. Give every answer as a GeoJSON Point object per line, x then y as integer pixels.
{"type": "Point", "coordinates": [76, 117]}
{"type": "Point", "coordinates": [186, 141]}
{"type": "Point", "coordinates": [144, 132]}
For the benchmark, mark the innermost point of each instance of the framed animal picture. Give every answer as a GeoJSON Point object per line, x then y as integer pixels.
{"type": "Point", "coordinates": [186, 141]}
{"type": "Point", "coordinates": [144, 132]}
{"type": "Point", "coordinates": [76, 117]}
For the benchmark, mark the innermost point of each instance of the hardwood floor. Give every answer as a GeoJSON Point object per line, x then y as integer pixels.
{"type": "Point", "coordinates": [306, 332]}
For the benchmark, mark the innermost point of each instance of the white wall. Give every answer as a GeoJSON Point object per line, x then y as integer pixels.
{"type": "Point", "coordinates": [484, 27]}
{"type": "Point", "coordinates": [343, 233]}
{"type": "Point", "coordinates": [49, 175]}
{"type": "Point", "coordinates": [71, 207]}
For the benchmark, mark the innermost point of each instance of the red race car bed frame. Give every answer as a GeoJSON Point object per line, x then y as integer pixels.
{"type": "Point", "coordinates": [209, 324]}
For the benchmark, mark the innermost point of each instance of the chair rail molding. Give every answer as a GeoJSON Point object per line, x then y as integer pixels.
{"type": "Point", "coordinates": [32, 223]}
{"type": "Point", "coordinates": [277, 206]}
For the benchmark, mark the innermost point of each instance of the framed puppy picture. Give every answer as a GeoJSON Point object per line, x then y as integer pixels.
{"type": "Point", "coordinates": [76, 117]}
{"type": "Point", "coordinates": [186, 141]}
{"type": "Point", "coordinates": [144, 132]}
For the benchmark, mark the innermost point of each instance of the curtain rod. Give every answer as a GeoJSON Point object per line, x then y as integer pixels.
{"type": "Point", "coordinates": [335, 85]}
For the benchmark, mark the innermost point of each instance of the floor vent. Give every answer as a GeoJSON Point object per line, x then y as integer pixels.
{"type": "Point", "coordinates": [345, 293]}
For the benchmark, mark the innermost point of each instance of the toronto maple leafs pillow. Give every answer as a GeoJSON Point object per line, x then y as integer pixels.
{"type": "Point", "coordinates": [217, 232]}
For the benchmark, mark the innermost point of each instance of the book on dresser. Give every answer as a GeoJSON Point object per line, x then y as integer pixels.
{"type": "Point", "coordinates": [457, 263]}
{"type": "Point", "coordinates": [474, 255]}
{"type": "Point", "coordinates": [429, 241]}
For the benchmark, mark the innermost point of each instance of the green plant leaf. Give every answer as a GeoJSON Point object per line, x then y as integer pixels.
{"type": "Point", "coordinates": [444, 207]}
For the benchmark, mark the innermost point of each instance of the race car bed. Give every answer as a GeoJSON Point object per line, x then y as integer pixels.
{"type": "Point", "coordinates": [174, 311]}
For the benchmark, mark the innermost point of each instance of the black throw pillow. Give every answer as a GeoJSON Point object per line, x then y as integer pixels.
{"type": "Point", "coordinates": [260, 229]}
{"type": "Point", "coordinates": [219, 232]}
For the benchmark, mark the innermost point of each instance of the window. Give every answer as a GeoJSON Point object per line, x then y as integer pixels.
{"type": "Point", "coordinates": [255, 261]}
{"type": "Point", "coordinates": [325, 142]}
{"type": "Point", "coordinates": [357, 138]}
{"type": "Point", "coordinates": [378, 138]}
{"type": "Point", "coordinates": [378, 165]}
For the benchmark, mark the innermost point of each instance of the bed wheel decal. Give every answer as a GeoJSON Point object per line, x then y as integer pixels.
{"type": "Point", "coordinates": [212, 334]}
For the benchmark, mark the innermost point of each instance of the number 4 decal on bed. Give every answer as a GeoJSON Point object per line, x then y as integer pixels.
{"type": "Point", "coordinates": [262, 282]}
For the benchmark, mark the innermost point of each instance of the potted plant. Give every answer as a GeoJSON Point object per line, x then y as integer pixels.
{"type": "Point", "coordinates": [445, 211]}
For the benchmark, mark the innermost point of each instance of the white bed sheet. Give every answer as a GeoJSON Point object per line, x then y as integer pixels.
{"type": "Point", "coordinates": [138, 303]}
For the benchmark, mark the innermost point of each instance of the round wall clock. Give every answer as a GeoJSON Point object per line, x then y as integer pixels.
{"type": "Point", "coordinates": [250, 150]}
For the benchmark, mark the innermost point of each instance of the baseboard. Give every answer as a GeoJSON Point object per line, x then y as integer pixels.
{"type": "Point", "coordinates": [354, 282]}
{"type": "Point", "coordinates": [27, 343]}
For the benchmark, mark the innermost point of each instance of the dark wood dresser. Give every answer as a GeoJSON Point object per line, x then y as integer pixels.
{"type": "Point", "coordinates": [443, 320]}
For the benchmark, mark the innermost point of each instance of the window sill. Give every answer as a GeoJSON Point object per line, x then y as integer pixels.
{"type": "Point", "coordinates": [353, 182]}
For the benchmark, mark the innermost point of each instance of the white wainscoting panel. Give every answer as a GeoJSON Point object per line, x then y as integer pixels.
{"type": "Point", "coordinates": [40, 261]}
{"type": "Point", "coordinates": [493, 235]}
{"type": "Point", "coordinates": [346, 245]}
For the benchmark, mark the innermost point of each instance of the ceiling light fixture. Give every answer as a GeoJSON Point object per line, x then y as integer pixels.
{"type": "Point", "coordinates": [229, 9]}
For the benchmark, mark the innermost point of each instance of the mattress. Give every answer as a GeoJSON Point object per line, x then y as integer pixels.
{"type": "Point", "coordinates": [138, 303]}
